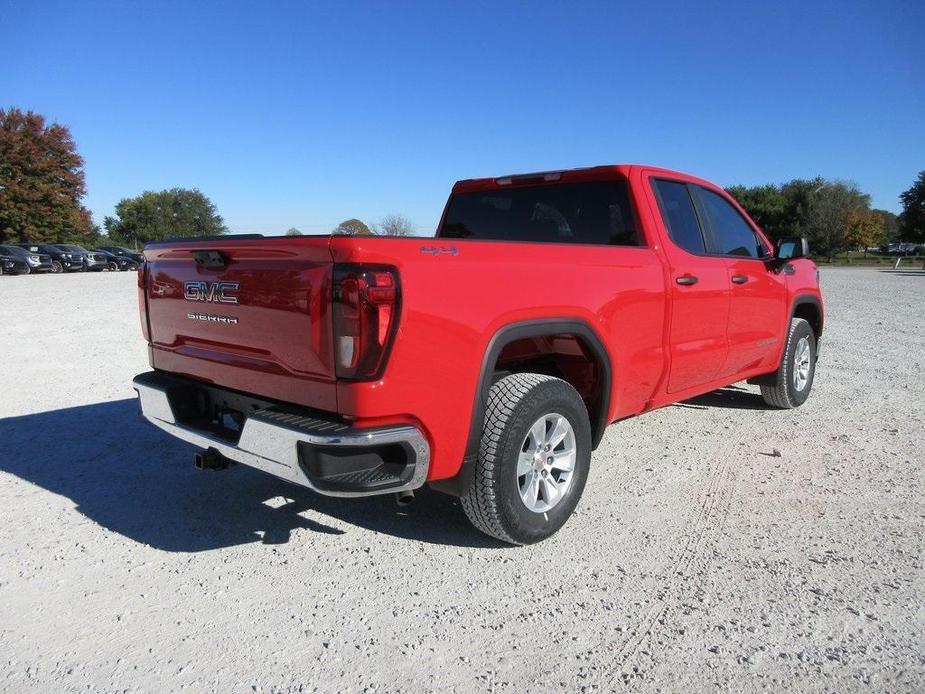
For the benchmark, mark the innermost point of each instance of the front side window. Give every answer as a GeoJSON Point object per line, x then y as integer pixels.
{"type": "Point", "coordinates": [731, 233]}
{"type": "Point", "coordinates": [596, 213]}
{"type": "Point", "coordinates": [680, 217]}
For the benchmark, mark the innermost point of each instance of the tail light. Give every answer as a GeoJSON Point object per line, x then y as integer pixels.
{"type": "Point", "coordinates": [143, 301]}
{"type": "Point", "coordinates": [366, 301]}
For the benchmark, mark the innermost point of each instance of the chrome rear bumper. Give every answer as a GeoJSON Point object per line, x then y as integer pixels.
{"type": "Point", "coordinates": [297, 446]}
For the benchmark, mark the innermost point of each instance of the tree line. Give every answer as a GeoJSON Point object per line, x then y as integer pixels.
{"type": "Point", "coordinates": [390, 225]}
{"type": "Point", "coordinates": [42, 187]}
{"type": "Point", "coordinates": [836, 216]}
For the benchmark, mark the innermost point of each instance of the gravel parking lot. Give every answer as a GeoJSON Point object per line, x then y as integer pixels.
{"type": "Point", "coordinates": [699, 559]}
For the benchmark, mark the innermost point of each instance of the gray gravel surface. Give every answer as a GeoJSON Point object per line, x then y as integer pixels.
{"type": "Point", "coordinates": [698, 559]}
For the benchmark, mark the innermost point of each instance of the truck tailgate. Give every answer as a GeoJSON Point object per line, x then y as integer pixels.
{"type": "Point", "coordinates": [251, 314]}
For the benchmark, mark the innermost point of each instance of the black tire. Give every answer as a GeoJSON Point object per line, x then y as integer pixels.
{"type": "Point", "coordinates": [113, 266]}
{"type": "Point", "coordinates": [784, 392]}
{"type": "Point", "coordinates": [56, 266]}
{"type": "Point", "coordinates": [28, 271]}
{"type": "Point", "coordinates": [493, 500]}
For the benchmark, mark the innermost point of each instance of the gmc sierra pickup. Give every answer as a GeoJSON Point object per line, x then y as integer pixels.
{"type": "Point", "coordinates": [487, 361]}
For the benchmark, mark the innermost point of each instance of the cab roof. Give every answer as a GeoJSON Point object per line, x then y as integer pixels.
{"type": "Point", "coordinates": [588, 173]}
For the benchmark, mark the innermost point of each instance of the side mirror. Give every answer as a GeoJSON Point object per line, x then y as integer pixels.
{"type": "Point", "coordinates": [791, 248]}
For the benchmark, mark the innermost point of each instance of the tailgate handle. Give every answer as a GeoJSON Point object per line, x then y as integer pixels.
{"type": "Point", "coordinates": [210, 259]}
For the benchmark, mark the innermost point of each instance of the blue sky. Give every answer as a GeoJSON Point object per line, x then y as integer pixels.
{"type": "Point", "coordinates": [304, 114]}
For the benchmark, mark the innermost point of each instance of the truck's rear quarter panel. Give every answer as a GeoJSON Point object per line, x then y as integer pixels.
{"type": "Point", "coordinates": [456, 294]}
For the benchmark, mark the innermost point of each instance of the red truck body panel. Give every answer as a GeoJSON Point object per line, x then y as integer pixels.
{"type": "Point", "coordinates": [281, 346]}
{"type": "Point", "coordinates": [665, 341]}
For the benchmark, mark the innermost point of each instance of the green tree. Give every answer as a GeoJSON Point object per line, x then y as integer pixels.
{"type": "Point", "coordinates": [395, 225]}
{"type": "Point", "coordinates": [912, 218]}
{"type": "Point", "coordinates": [292, 231]}
{"type": "Point", "coordinates": [799, 195]}
{"type": "Point", "coordinates": [827, 222]}
{"type": "Point", "coordinates": [352, 227]}
{"type": "Point", "coordinates": [41, 181]}
{"type": "Point", "coordinates": [166, 214]}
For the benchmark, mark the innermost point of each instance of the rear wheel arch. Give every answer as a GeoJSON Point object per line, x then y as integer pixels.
{"type": "Point", "coordinates": [489, 374]}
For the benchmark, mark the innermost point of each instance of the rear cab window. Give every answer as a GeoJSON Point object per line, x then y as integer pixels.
{"type": "Point", "coordinates": [679, 214]}
{"type": "Point", "coordinates": [597, 212]}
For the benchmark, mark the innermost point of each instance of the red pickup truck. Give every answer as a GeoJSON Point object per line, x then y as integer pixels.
{"type": "Point", "coordinates": [486, 361]}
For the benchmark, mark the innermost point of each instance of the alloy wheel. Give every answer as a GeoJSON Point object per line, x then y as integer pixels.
{"type": "Point", "coordinates": [802, 364]}
{"type": "Point", "coordinates": [546, 462]}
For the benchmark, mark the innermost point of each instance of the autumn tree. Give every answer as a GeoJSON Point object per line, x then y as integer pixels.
{"type": "Point", "coordinates": [352, 227]}
{"type": "Point", "coordinates": [292, 231]}
{"type": "Point", "coordinates": [890, 223]}
{"type": "Point", "coordinates": [41, 181]}
{"type": "Point", "coordinates": [912, 218]}
{"type": "Point", "coordinates": [154, 216]}
{"type": "Point", "coordinates": [395, 225]}
{"type": "Point", "coordinates": [864, 228]}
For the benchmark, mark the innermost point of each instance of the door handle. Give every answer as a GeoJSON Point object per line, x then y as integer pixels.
{"type": "Point", "coordinates": [686, 280]}
{"type": "Point", "coordinates": [739, 279]}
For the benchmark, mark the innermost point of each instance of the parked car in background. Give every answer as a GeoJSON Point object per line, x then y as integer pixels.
{"type": "Point", "coordinates": [11, 265]}
{"type": "Point", "coordinates": [61, 260]}
{"type": "Point", "coordinates": [124, 252]}
{"type": "Point", "coordinates": [91, 261]}
{"type": "Point", "coordinates": [34, 262]}
{"type": "Point", "coordinates": [901, 249]}
{"type": "Point", "coordinates": [117, 262]}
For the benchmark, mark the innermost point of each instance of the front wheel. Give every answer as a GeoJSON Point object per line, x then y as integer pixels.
{"type": "Point", "coordinates": [56, 266]}
{"type": "Point", "coordinates": [534, 458]}
{"type": "Point", "coordinates": [794, 377]}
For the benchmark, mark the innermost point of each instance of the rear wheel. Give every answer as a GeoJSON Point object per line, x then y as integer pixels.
{"type": "Point", "coordinates": [794, 378]}
{"type": "Point", "coordinates": [533, 461]}
{"type": "Point", "coordinates": [56, 266]}
{"type": "Point", "coordinates": [113, 266]}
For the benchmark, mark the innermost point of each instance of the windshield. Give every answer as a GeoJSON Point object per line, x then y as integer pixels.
{"type": "Point", "coordinates": [598, 212]}
{"type": "Point", "coordinates": [14, 251]}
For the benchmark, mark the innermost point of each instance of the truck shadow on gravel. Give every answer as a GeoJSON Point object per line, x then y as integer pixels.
{"type": "Point", "coordinates": [133, 479]}
{"type": "Point", "coordinates": [733, 397]}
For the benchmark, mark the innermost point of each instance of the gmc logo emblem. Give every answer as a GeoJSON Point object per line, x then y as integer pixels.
{"type": "Point", "coordinates": [215, 292]}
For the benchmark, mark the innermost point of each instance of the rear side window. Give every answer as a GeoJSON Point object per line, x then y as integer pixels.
{"type": "Point", "coordinates": [598, 213]}
{"type": "Point", "coordinates": [731, 233]}
{"type": "Point", "coordinates": [679, 215]}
